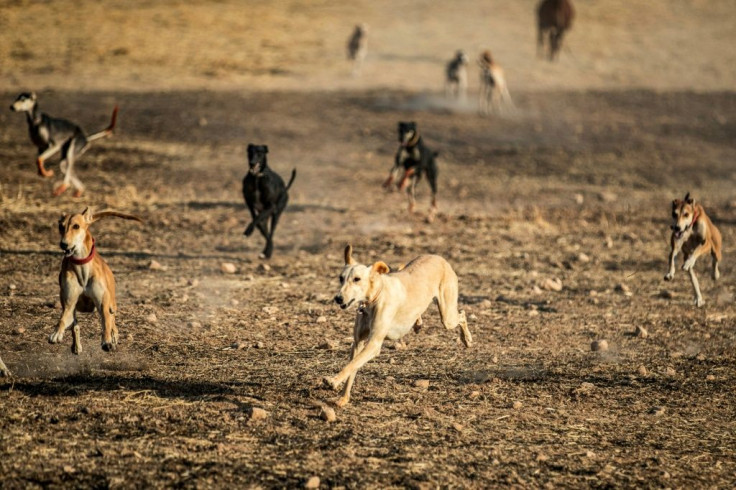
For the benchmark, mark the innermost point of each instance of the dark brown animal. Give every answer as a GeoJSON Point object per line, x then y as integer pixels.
{"type": "Point", "coordinates": [554, 17]}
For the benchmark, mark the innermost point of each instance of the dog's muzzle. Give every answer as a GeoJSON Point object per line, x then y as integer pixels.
{"type": "Point", "coordinates": [255, 169]}
{"type": "Point", "coordinates": [341, 301]}
{"type": "Point", "coordinates": [68, 251]}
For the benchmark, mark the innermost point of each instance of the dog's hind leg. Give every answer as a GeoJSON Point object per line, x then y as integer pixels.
{"type": "Point", "coordinates": [76, 340]}
{"type": "Point", "coordinates": [696, 288]}
{"type": "Point", "coordinates": [450, 316]}
{"type": "Point", "coordinates": [432, 179]}
{"type": "Point", "coordinates": [716, 260]}
{"type": "Point", "coordinates": [106, 309]}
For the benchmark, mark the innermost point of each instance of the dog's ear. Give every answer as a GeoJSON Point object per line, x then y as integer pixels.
{"type": "Point", "coordinates": [87, 215]}
{"type": "Point", "coordinates": [688, 199]}
{"type": "Point", "coordinates": [675, 204]}
{"type": "Point", "coordinates": [380, 268]}
{"type": "Point", "coordinates": [349, 260]}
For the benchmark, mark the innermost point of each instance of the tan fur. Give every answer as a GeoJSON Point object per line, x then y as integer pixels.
{"type": "Point", "coordinates": [694, 234]}
{"type": "Point", "coordinates": [494, 93]}
{"type": "Point", "coordinates": [4, 371]}
{"type": "Point", "coordinates": [89, 286]}
{"type": "Point", "coordinates": [391, 305]}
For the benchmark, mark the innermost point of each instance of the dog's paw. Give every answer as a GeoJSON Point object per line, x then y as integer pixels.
{"type": "Point", "coordinates": [342, 401]}
{"type": "Point", "coordinates": [76, 348]}
{"type": "Point", "coordinates": [56, 337]}
{"type": "Point", "coordinates": [330, 383]}
{"type": "Point", "coordinates": [688, 265]}
{"type": "Point", "coordinates": [249, 231]}
{"type": "Point", "coordinates": [109, 346]}
{"type": "Point", "coordinates": [669, 276]}
{"type": "Point", "coordinates": [699, 302]}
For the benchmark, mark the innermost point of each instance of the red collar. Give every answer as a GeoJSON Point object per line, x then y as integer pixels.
{"type": "Point", "coordinates": [87, 258]}
{"type": "Point", "coordinates": [695, 217]}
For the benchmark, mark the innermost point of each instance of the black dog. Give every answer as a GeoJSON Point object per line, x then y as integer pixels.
{"type": "Point", "coordinates": [415, 159]}
{"type": "Point", "coordinates": [265, 195]}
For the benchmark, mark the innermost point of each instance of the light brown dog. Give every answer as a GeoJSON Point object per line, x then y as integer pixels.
{"type": "Point", "coordinates": [85, 280]}
{"type": "Point", "coordinates": [390, 304]}
{"type": "Point", "coordinates": [694, 234]}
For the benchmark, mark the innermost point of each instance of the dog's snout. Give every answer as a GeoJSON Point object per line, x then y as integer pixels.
{"type": "Point", "coordinates": [339, 299]}
{"type": "Point", "coordinates": [63, 245]}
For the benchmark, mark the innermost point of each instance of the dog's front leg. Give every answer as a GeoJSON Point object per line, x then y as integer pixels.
{"type": "Point", "coordinates": [673, 253]}
{"type": "Point", "coordinates": [372, 349]}
{"type": "Point", "coordinates": [690, 262]}
{"type": "Point", "coordinates": [259, 220]}
{"type": "Point", "coordinates": [70, 292]}
{"type": "Point", "coordinates": [345, 397]}
{"type": "Point", "coordinates": [696, 288]}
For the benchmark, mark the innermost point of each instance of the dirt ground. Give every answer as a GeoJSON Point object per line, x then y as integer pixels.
{"type": "Point", "coordinates": [574, 190]}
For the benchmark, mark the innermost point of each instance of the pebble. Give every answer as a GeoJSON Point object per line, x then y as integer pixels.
{"type": "Point", "coordinates": [486, 303]}
{"type": "Point", "coordinates": [657, 411]}
{"type": "Point", "coordinates": [458, 427]}
{"type": "Point", "coordinates": [259, 345]}
{"type": "Point", "coordinates": [599, 345]}
{"type": "Point", "coordinates": [228, 268]}
{"type": "Point", "coordinates": [193, 282]}
{"type": "Point", "coordinates": [12, 287]}
{"type": "Point", "coordinates": [608, 242]}
{"type": "Point", "coordinates": [194, 325]}
{"type": "Point", "coordinates": [255, 413]}
{"type": "Point", "coordinates": [670, 371]}
{"type": "Point", "coordinates": [579, 198]}
{"type": "Point", "coordinates": [585, 388]}
{"type": "Point", "coordinates": [642, 370]}
{"type": "Point", "coordinates": [151, 318]}
{"type": "Point", "coordinates": [312, 482]}
{"type": "Point", "coordinates": [472, 317]}
{"type": "Point", "coordinates": [583, 257]}
{"type": "Point", "coordinates": [154, 265]}
{"type": "Point", "coordinates": [422, 384]}
{"type": "Point", "coordinates": [327, 414]}
{"type": "Point", "coordinates": [665, 294]}
{"type": "Point", "coordinates": [641, 332]}
{"type": "Point", "coordinates": [710, 377]}
{"type": "Point", "coordinates": [517, 405]}
{"type": "Point", "coordinates": [474, 394]}
{"type": "Point", "coordinates": [238, 345]}
{"type": "Point", "coordinates": [552, 284]}
{"type": "Point", "coordinates": [264, 267]}
{"type": "Point", "coordinates": [328, 345]}
{"type": "Point", "coordinates": [270, 310]}
{"type": "Point", "coordinates": [624, 289]}
{"type": "Point", "coordinates": [321, 319]}
{"type": "Point", "coordinates": [20, 330]}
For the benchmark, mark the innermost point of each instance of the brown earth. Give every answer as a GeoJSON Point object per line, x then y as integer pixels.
{"type": "Point", "coordinates": [576, 187]}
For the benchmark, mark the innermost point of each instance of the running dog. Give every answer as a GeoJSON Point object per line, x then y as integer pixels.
{"type": "Point", "coordinates": [85, 280]}
{"type": "Point", "coordinates": [390, 304]}
{"type": "Point", "coordinates": [358, 47]}
{"type": "Point", "coordinates": [554, 17]}
{"type": "Point", "coordinates": [694, 234]}
{"type": "Point", "coordinates": [51, 135]}
{"type": "Point", "coordinates": [494, 92]}
{"type": "Point", "coordinates": [456, 76]}
{"type": "Point", "coordinates": [265, 195]}
{"type": "Point", "coordinates": [414, 159]}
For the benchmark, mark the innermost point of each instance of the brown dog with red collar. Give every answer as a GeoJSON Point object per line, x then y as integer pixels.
{"type": "Point", "coordinates": [85, 279]}
{"type": "Point", "coordinates": [695, 234]}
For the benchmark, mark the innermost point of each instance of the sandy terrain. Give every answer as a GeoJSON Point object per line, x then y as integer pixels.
{"type": "Point", "coordinates": [576, 187]}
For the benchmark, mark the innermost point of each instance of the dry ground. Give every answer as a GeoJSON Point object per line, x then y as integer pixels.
{"type": "Point", "coordinates": [576, 187]}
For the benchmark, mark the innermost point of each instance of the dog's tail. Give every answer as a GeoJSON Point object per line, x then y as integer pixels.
{"type": "Point", "coordinates": [291, 180]}
{"type": "Point", "coordinates": [109, 213]}
{"type": "Point", "coordinates": [108, 130]}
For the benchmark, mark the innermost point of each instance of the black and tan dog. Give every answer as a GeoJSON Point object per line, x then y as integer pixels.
{"type": "Point", "coordinates": [694, 234]}
{"type": "Point", "coordinates": [414, 159]}
{"type": "Point", "coordinates": [265, 194]}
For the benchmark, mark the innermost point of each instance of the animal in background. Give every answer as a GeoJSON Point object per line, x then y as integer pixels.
{"type": "Point", "coordinates": [390, 305]}
{"type": "Point", "coordinates": [51, 135]}
{"type": "Point", "coordinates": [456, 76]}
{"type": "Point", "coordinates": [358, 47]}
{"type": "Point", "coordinates": [413, 159]}
{"type": "Point", "coordinates": [4, 371]}
{"type": "Point", "coordinates": [494, 93]}
{"type": "Point", "coordinates": [554, 17]}
{"type": "Point", "coordinates": [86, 282]}
{"type": "Point", "coordinates": [694, 234]}
{"type": "Point", "coordinates": [265, 195]}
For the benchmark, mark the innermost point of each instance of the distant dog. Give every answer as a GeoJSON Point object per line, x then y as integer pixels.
{"type": "Point", "coordinates": [494, 93]}
{"type": "Point", "coordinates": [4, 371]}
{"type": "Point", "coordinates": [390, 304]}
{"type": "Point", "coordinates": [694, 234]}
{"type": "Point", "coordinates": [413, 159]}
{"type": "Point", "coordinates": [456, 76]}
{"type": "Point", "coordinates": [358, 47]}
{"type": "Point", "coordinates": [51, 135]}
{"type": "Point", "coordinates": [86, 281]}
{"type": "Point", "coordinates": [554, 17]}
{"type": "Point", "coordinates": [265, 195]}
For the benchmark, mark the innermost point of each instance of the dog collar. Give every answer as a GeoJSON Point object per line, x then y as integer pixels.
{"type": "Point", "coordinates": [695, 218]}
{"type": "Point", "coordinates": [86, 259]}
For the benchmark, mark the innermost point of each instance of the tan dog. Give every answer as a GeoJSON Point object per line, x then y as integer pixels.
{"type": "Point", "coordinates": [85, 279]}
{"type": "Point", "coordinates": [391, 304]}
{"type": "Point", "coordinates": [494, 93]}
{"type": "Point", "coordinates": [694, 234]}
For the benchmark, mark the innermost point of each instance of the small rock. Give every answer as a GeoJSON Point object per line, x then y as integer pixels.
{"type": "Point", "coordinates": [608, 242]}
{"type": "Point", "coordinates": [151, 318]}
{"type": "Point", "coordinates": [552, 284]}
{"type": "Point", "coordinates": [585, 388]}
{"type": "Point", "coordinates": [154, 265]}
{"type": "Point", "coordinates": [607, 196]}
{"type": "Point", "coordinates": [517, 405]}
{"type": "Point", "coordinates": [665, 294]}
{"type": "Point", "coordinates": [238, 345]}
{"type": "Point", "coordinates": [194, 324]}
{"type": "Point", "coordinates": [458, 427]}
{"type": "Point", "coordinates": [474, 394]}
{"type": "Point", "coordinates": [259, 345]}
{"type": "Point", "coordinates": [623, 289]}
{"type": "Point", "coordinates": [486, 303]}
{"type": "Point", "coordinates": [583, 257]}
{"type": "Point", "coordinates": [599, 345]}
{"type": "Point", "coordinates": [228, 268]}
{"type": "Point", "coordinates": [657, 411]}
{"type": "Point", "coordinates": [255, 413]}
{"type": "Point", "coordinates": [321, 319]}
{"type": "Point", "coordinates": [589, 454]}
{"type": "Point", "coordinates": [533, 313]}
{"type": "Point", "coordinates": [193, 282]}
{"type": "Point", "coordinates": [270, 310]}
{"type": "Point", "coordinates": [542, 457]}
{"type": "Point", "coordinates": [472, 317]}
{"type": "Point", "coordinates": [710, 377]}
{"type": "Point", "coordinates": [327, 414]}
{"type": "Point", "coordinates": [670, 371]}
{"type": "Point", "coordinates": [264, 267]}
{"type": "Point", "coordinates": [641, 332]}
{"type": "Point", "coordinates": [579, 198]}
{"type": "Point", "coordinates": [328, 345]}
{"type": "Point", "coordinates": [700, 357]}
{"type": "Point", "coordinates": [312, 482]}
{"type": "Point", "coordinates": [421, 384]}
{"type": "Point", "coordinates": [642, 370]}
{"type": "Point", "coordinates": [494, 359]}
{"type": "Point", "coordinates": [20, 330]}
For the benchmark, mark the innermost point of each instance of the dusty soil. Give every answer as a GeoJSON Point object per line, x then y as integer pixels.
{"type": "Point", "coordinates": [575, 187]}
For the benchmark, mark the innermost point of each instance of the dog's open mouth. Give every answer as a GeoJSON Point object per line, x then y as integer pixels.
{"type": "Point", "coordinates": [69, 252]}
{"type": "Point", "coordinates": [679, 233]}
{"type": "Point", "coordinates": [345, 305]}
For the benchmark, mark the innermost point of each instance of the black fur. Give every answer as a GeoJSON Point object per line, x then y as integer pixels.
{"type": "Point", "coordinates": [265, 194]}
{"type": "Point", "coordinates": [413, 160]}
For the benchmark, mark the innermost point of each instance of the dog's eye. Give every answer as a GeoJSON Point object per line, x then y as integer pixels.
{"type": "Point", "coordinates": [357, 279]}
{"type": "Point", "coordinates": [76, 226]}
{"type": "Point", "coordinates": [685, 215]}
